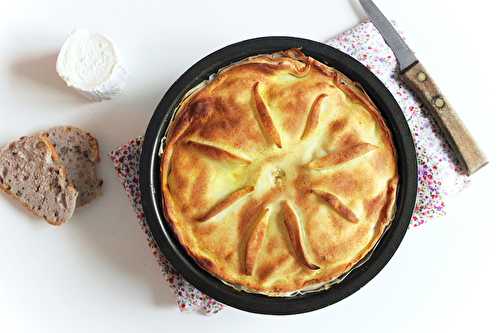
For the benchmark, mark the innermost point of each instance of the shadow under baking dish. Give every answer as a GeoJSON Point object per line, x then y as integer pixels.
{"type": "Point", "coordinates": [151, 187]}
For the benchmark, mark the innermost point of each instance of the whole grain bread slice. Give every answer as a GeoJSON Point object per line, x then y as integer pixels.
{"type": "Point", "coordinates": [30, 170]}
{"type": "Point", "coordinates": [79, 152]}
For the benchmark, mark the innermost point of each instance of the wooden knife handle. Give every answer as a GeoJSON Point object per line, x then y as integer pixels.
{"type": "Point", "coordinates": [457, 135]}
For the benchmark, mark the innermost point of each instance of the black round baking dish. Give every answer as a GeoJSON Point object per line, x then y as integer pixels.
{"type": "Point", "coordinates": [152, 197]}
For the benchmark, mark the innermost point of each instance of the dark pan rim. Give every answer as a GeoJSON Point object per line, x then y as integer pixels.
{"type": "Point", "coordinates": [151, 188]}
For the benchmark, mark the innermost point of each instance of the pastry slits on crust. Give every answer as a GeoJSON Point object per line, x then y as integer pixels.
{"type": "Point", "coordinates": [225, 203]}
{"type": "Point", "coordinates": [279, 174]}
{"type": "Point", "coordinates": [256, 239]}
{"type": "Point", "coordinates": [313, 117]}
{"type": "Point", "coordinates": [265, 118]}
{"type": "Point", "coordinates": [337, 205]}
{"type": "Point", "coordinates": [342, 155]}
{"type": "Point", "coordinates": [296, 235]}
{"type": "Point", "coordinates": [217, 153]}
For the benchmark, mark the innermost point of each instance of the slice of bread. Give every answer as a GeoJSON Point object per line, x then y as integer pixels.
{"type": "Point", "coordinates": [30, 170]}
{"type": "Point", "coordinates": [79, 152]}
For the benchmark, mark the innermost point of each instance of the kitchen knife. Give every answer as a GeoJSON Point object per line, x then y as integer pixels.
{"type": "Point", "coordinates": [420, 82]}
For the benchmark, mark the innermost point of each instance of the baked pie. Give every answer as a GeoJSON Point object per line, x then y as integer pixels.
{"type": "Point", "coordinates": [278, 174]}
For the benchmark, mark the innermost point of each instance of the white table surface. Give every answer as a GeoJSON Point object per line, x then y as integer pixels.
{"type": "Point", "coordinates": [96, 273]}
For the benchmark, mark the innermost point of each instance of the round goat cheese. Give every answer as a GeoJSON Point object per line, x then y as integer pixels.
{"type": "Point", "coordinates": [89, 63]}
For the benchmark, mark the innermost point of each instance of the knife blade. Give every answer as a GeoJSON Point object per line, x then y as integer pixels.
{"type": "Point", "coordinates": [401, 50]}
{"type": "Point", "coordinates": [420, 82]}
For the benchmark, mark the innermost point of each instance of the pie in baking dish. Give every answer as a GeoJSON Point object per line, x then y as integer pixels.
{"type": "Point", "coordinates": [278, 174]}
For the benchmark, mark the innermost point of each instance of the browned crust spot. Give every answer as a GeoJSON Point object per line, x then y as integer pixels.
{"type": "Point", "coordinates": [256, 239]}
{"type": "Point", "coordinates": [338, 125]}
{"type": "Point", "coordinates": [342, 155]}
{"type": "Point", "coordinates": [302, 72]}
{"type": "Point", "coordinates": [268, 268]}
{"type": "Point", "coordinates": [388, 209]}
{"type": "Point", "coordinates": [225, 203]}
{"type": "Point", "coordinates": [313, 117]}
{"type": "Point", "coordinates": [294, 233]}
{"type": "Point", "coordinates": [216, 153]}
{"type": "Point", "coordinates": [375, 204]}
{"type": "Point", "coordinates": [193, 116]}
{"type": "Point", "coordinates": [337, 205]}
{"type": "Point", "coordinates": [265, 118]}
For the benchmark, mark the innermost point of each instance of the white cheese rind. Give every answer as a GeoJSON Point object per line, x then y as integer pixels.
{"type": "Point", "coordinates": [90, 64]}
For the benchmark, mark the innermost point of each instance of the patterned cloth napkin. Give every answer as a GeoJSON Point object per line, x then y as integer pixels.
{"type": "Point", "coordinates": [439, 174]}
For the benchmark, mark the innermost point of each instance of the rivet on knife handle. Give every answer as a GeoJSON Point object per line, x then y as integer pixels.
{"type": "Point", "coordinates": [453, 128]}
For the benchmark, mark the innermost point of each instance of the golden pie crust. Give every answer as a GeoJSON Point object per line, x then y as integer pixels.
{"type": "Point", "coordinates": [279, 174]}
